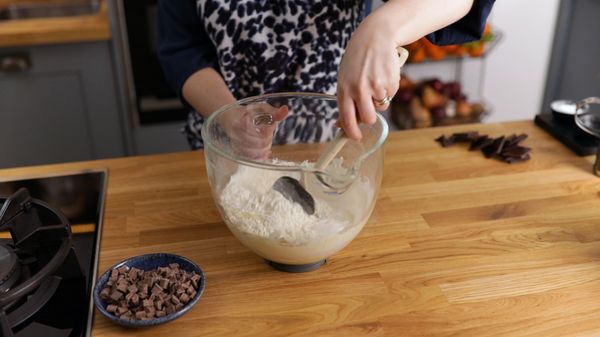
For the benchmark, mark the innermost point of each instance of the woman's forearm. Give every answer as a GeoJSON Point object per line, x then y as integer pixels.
{"type": "Point", "coordinates": [405, 21]}
{"type": "Point", "coordinates": [206, 91]}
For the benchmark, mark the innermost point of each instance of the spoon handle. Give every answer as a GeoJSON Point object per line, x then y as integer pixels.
{"type": "Point", "coordinates": [331, 151]}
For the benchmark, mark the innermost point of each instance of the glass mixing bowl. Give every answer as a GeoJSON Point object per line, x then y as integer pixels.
{"type": "Point", "coordinates": [252, 143]}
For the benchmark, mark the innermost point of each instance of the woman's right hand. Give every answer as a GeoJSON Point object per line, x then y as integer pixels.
{"type": "Point", "coordinates": [251, 134]}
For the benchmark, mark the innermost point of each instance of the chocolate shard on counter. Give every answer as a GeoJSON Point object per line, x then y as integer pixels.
{"type": "Point", "coordinates": [493, 149]}
{"type": "Point", "coordinates": [515, 140]}
{"type": "Point", "coordinates": [465, 136]}
{"type": "Point", "coordinates": [480, 142]}
{"type": "Point", "coordinates": [515, 151]}
{"type": "Point", "coordinates": [445, 141]}
{"type": "Point", "coordinates": [505, 148]}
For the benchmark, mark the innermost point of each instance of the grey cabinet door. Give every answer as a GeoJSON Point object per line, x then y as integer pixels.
{"type": "Point", "coordinates": [42, 120]}
{"type": "Point", "coordinates": [63, 108]}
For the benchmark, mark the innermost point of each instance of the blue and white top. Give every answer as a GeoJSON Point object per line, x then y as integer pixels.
{"type": "Point", "coordinates": [266, 46]}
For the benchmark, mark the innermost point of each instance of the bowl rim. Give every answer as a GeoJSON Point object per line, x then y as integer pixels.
{"type": "Point", "coordinates": [205, 132]}
{"type": "Point", "coordinates": [98, 302]}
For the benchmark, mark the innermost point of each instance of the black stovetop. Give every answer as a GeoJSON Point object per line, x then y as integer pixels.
{"type": "Point", "coordinates": [80, 197]}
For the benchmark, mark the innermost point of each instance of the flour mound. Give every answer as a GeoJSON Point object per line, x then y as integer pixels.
{"type": "Point", "coordinates": [253, 207]}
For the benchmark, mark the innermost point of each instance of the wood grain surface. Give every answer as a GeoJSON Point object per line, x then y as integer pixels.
{"type": "Point", "coordinates": [41, 31]}
{"type": "Point", "coordinates": [458, 245]}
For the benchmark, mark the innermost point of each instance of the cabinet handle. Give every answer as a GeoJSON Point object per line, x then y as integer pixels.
{"type": "Point", "coordinates": [15, 63]}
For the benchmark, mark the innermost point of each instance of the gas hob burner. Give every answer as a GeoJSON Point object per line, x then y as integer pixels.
{"type": "Point", "coordinates": [36, 263]}
{"type": "Point", "coordinates": [9, 271]}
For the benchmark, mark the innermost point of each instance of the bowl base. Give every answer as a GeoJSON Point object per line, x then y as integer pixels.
{"type": "Point", "coordinates": [296, 268]}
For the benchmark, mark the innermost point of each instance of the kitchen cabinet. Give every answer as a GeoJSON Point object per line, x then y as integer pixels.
{"type": "Point", "coordinates": [58, 103]}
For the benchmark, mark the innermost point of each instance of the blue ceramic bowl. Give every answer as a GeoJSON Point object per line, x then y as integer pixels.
{"type": "Point", "coordinates": [149, 262]}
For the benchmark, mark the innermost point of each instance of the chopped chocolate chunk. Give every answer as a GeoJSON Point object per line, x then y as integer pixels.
{"type": "Point", "coordinates": [116, 295]}
{"type": "Point", "coordinates": [157, 289]}
{"type": "Point", "coordinates": [111, 308]}
{"type": "Point", "coordinates": [133, 274]}
{"type": "Point", "coordinates": [191, 290]}
{"type": "Point", "coordinates": [180, 290]}
{"type": "Point", "coordinates": [140, 315]}
{"type": "Point", "coordinates": [121, 310]}
{"type": "Point", "coordinates": [164, 283]}
{"type": "Point", "coordinates": [147, 303]}
{"type": "Point", "coordinates": [135, 299]}
{"type": "Point", "coordinates": [149, 310]}
{"type": "Point", "coordinates": [175, 300]}
{"type": "Point", "coordinates": [170, 308]}
{"type": "Point", "coordinates": [184, 298]}
{"type": "Point", "coordinates": [122, 287]}
{"type": "Point", "coordinates": [160, 313]}
{"type": "Point", "coordinates": [105, 293]}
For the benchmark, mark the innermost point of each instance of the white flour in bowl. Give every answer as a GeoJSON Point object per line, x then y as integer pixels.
{"type": "Point", "coordinates": [279, 229]}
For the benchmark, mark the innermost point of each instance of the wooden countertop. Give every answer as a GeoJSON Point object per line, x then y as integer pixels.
{"type": "Point", "coordinates": [42, 31]}
{"type": "Point", "coordinates": [458, 245]}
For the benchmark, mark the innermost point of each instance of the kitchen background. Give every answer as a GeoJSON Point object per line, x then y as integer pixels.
{"type": "Point", "coordinates": [88, 85]}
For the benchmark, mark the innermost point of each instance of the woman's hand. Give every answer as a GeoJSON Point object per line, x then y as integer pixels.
{"type": "Point", "coordinates": [369, 73]}
{"type": "Point", "coordinates": [370, 69]}
{"type": "Point", "coordinates": [251, 134]}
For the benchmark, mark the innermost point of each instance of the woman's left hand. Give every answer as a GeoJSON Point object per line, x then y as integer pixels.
{"type": "Point", "coordinates": [369, 75]}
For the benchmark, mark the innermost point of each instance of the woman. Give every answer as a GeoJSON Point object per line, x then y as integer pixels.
{"type": "Point", "coordinates": [217, 51]}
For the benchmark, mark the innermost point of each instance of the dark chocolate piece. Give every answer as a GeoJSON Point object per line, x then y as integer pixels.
{"type": "Point", "coordinates": [480, 142]}
{"type": "Point", "coordinates": [465, 136]}
{"type": "Point", "coordinates": [116, 295]}
{"type": "Point", "coordinates": [515, 140]}
{"type": "Point", "coordinates": [494, 148]}
{"type": "Point", "coordinates": [445, 141]}
{"type": "Point", "coordinates": [515, 151]}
